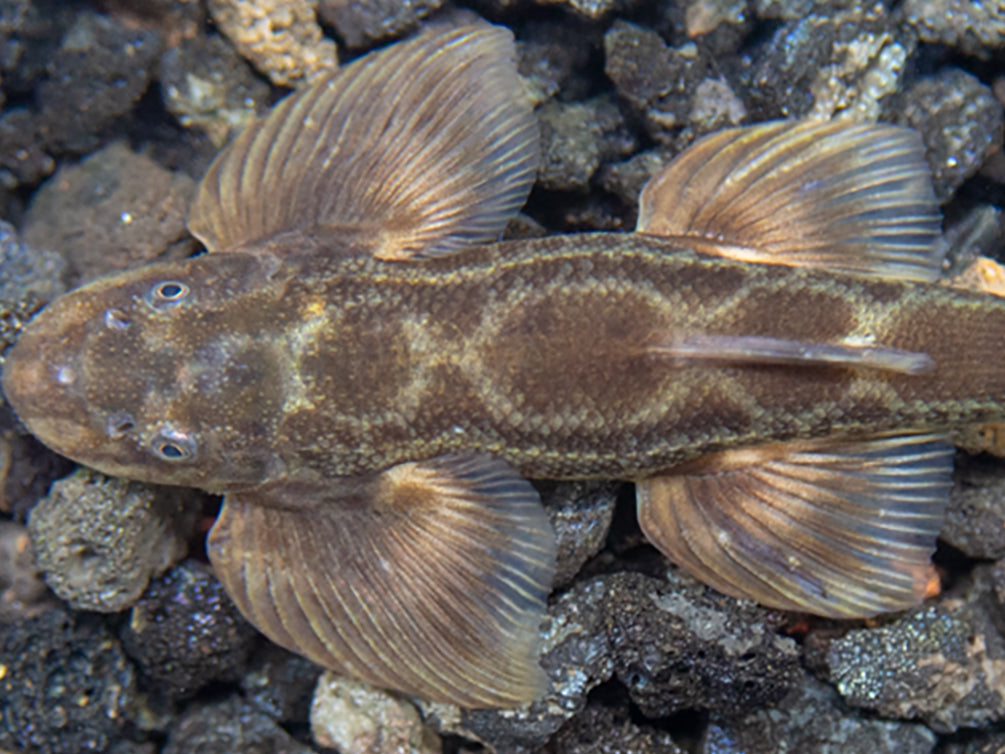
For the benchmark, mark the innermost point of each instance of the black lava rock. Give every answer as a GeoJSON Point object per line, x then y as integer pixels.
{"type": "Point", "coordinates": [185, 632]}
{"type": "Point", "coordinates": [66, 685]}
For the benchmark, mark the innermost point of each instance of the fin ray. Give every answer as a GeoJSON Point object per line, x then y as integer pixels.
{"type": "Point", "coordinates": [420, 149]}
{"type": "Point", "coordinates": [828, 194]}
{"type": "Point", "coordinates": [430, 578]}
{"type": "Point", "coordinates": [834, 527]}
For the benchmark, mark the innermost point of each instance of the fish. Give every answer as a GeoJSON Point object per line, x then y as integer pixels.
{"type": "Point", "coordinates": [370, 377]}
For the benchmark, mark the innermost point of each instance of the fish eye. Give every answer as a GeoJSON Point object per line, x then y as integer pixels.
{"type": "Point", "coordinates": [173, 445]}
{"type": "Point", "coordinates": [168, 293]}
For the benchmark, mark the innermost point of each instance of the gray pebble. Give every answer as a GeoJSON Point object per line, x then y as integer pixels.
{"type": "Point", "coordinates": [66, 686]}
{"type": "Point", "coordinates": [99, 540]}
{"type": "Point", "coordinates": [577, 137]}
{"type": "Point", "coordinates": [206, 85]}
{"type": "Point", "coordinates": [960, 121]}
{"type": "Point", "coordinates": [362, 24]}
{"type": "Point", "coordinates": [975, 27]}
{"type": "Point", "coordinates": [580, 513]}
{"type": "Point", "coordinates": [115, 210]}
{"type": "Point", "coordinates": [943, 664]}
{"type": "Point", "coordinates": [185, 632]}
{"type": "Point", "coordinates": [812, 720]}
{"type": "Point", "coordinates": [231, 726]}
{"type": "Point", "coordinates": [975, 518]}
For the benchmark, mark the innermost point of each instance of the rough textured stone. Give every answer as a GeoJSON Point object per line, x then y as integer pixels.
{"type": "Point", "coordinates": [675, 645]}
{"type": "Point", "coordinates": [679, 645]}
{"type": "Point", "coordinates": [975, 27]}
{"type": "Point", "coordinates": [206, 85]}
{"type": "Point", "coordinates": [812, 719]}
{"type": "Point", "coordinates": [356, 718]}
{"type": "Point", "coordinates": [577, 138]}
{"type": "Point", "coordinates": [115, 210]}
{"type": "Point", "coordinates": [362, 24]}
{"type": "Point", "coordinates": [100, 71]}
{"type": "Point", "coordinates": [231, 726]}
{"type": "Point", "coordinates": [280, 683]}
{"type": "Point", "coordinates": [23, 593]}
{"type": "Point", "coordinates": [841, 61]}
{"type": "Point", "coordinates": [943, 664]}
{"type": "Point", "coordinates": [556, 57]}
{"type": "Point", "coordinates": [580, 513]}
{"type": "Point", "coordinates": [99, 540]}
{"type": "Point", "coordinates": [602, 729]}
{"type": "Point", "coordinates": [960, 121]}
{"type": "Point", "coordinates": [627, 179]}
{"type": "Point", "coordinates": [658, 80]}
{"type": "Point", "coordinates": [65, 687]}
{"type": "Point", "coordinates": [26, 272]}
{"type": "Point", "coordinates": [975, 518]}
{"type": "Point", "coordinates": [185, 632]}
{"type": "Point", "coordinates": [281, 38]}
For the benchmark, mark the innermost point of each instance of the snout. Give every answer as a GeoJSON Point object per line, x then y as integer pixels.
{"type": "Point", "coordinates": [42, 382]}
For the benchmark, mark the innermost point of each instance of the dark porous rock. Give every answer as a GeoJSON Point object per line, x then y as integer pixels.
{"type": "Point", "coordinates": [580, 513]}
{"type": "Point", "coordinates": [97, 75]}
{"type": "Point", "coordinates": [847, 61]}
{"type": "Point", "coordinates": [812, 718]}
{"type": "Point", "coordinates": [976, 743]}
{"type": "Point", "coordinates": [26, 272]}
{"type": "Point", "coordinates": [943, 664]}
{"type": "Point", "coordinates": [577, 137]}
{"type": "Point", "coordinates": [66, 685]}
{"type": "Point", "coordinates": [554, 57]}
{"type": "Point", "coordinates": [205, 84]}
{"type": "Point", "coordinates": [974, 27]}
{"type": "Point", "coordinates": [185, 632]}
{"type": "Point", "coordinates": [975, 518]}
{"type": "Point", "coordinates": [280, 683]}
{"type": "Point", "coordinates": [627, 179]}
{"type": "Point", "coordinates": [23, 593]}
{"type": "Point", "coordinates": [679, 645]}
{"type": "Point", "coordinates": [657, 80]}
{"type": "Point", "coordinates": [23, 158]}
{"type": "Point", "coordinates": [99, 540]}
{"type": "Point", "coordinates": [362, 24]}
{"type": "Point", "coordinates": [115, 210]}
{"type": "Point", "coordinates": [231, 726]}
{"type": "Point", "coordinates": [30, 34]}
{"type": "Point", "coordinates": [577, 658]}
{"type": "Point", "coordinates": [674, 644]}
{"type": "Point", "coordinates": [960, 121]}
{"type": "Point", "coordinates": [602, 729]}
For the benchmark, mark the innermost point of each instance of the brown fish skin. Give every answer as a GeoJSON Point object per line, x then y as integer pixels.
{"type": "Point", "coordinates": [534, 351]}
{"type": "Point", "coordinates": [366, 377]}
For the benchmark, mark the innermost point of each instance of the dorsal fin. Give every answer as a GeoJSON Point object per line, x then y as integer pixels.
{"type": "Point", "coordinates": [814, 194]}
{"type": "Point", "coordinates": [422, 148]}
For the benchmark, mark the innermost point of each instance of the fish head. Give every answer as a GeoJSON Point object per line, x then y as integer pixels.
{"type": "Point", "coordinates": [166, 374]}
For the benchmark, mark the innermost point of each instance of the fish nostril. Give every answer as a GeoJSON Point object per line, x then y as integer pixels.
{"type": "Point", "coordinates": [119, 424]}
{"type": "Point", "coordinates": [116, 319]}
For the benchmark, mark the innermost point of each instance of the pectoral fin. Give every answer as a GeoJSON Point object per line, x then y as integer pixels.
{"type": "Point", "coordinates": [420, 149]}
{"type": "Point", "coordinates": [814, 194]}
{"type": "Point", "coordinates": [430, 578]}
{"type": "Point", "coordinates": [836, 528]}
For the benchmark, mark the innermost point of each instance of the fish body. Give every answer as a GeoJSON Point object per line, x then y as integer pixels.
{"type": "Point", "coordinates": [545, 353]}
{"type": "Point", "coordinates": [369, 378]}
